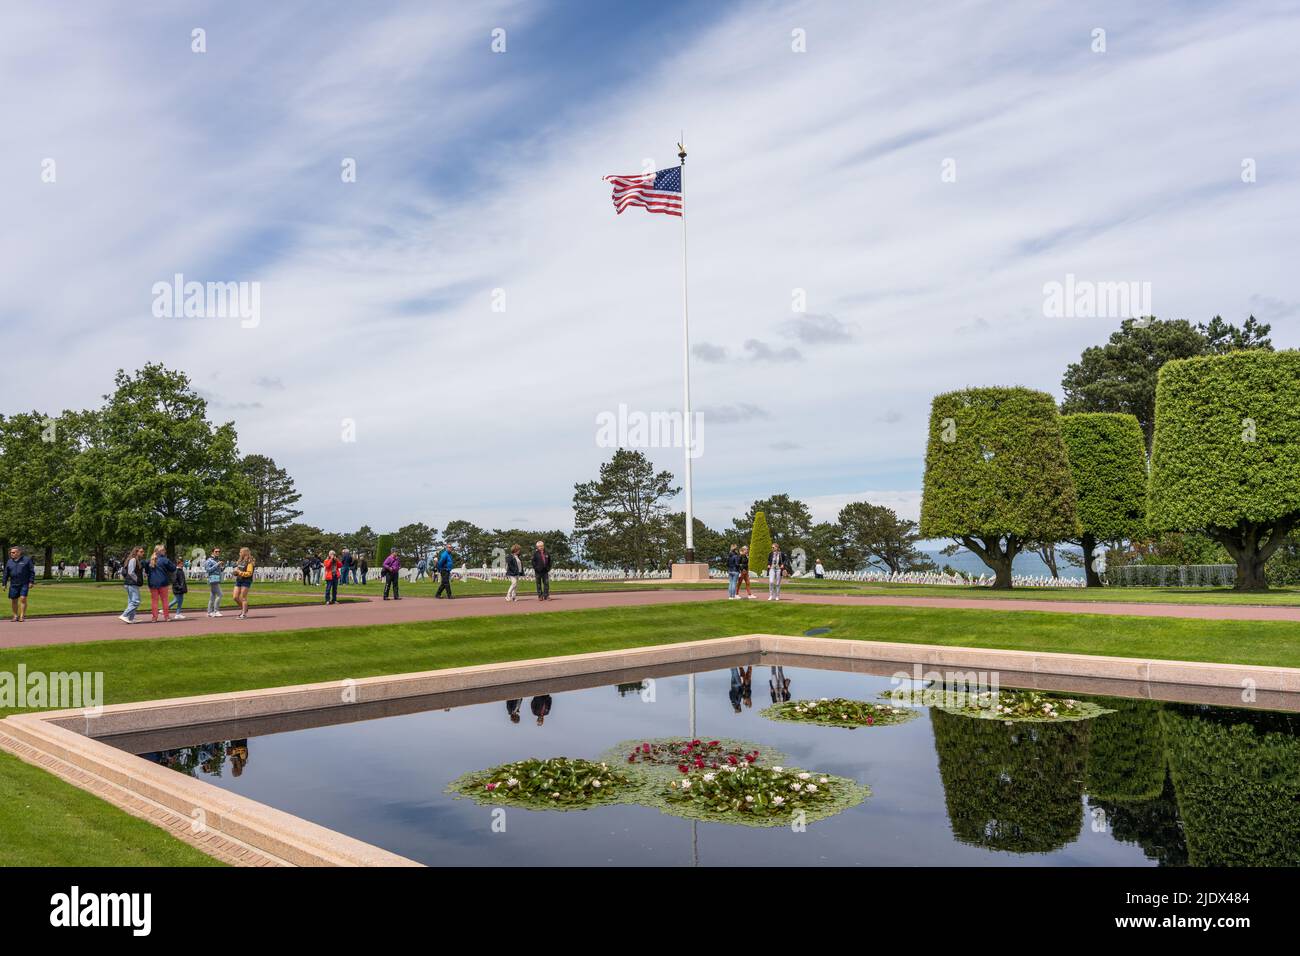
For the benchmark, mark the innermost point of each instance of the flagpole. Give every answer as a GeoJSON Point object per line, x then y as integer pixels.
{"type": "Point", "coordinates": [686, 373]}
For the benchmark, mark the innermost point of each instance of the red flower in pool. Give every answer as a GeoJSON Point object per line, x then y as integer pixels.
{"type": "Point", "coordinates": [683, 768]}
{"type": "Point", "coordinates": [731, 760]}
{"type": "Point", "coordinates": [750, 758]}
{"type": "Point", "coordinates": [695, 743]}
{"type": "Point", "coordinates": [870, 720]}
{"type": "Point", "coordinates": [713, 743]}
{"type": "Point", "coordinates": [645, 748]}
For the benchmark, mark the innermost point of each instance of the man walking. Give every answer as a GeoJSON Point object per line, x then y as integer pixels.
{"type": "Point", "coordinates": [348, 567]}
{"type": "Point", "coordinates": [212, 567]}
{"type": "Point", "coordinates": [392, 564]}
{"type": "Point", "coordinates": [542, 571]}
{"type": "Point", "coordinates": [445, 564]}
{"type": "Point", "coordinates": [20, 575]}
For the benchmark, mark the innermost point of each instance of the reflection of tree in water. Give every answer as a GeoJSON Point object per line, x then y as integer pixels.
{"type": "Point", "coordinates": [631, 688]}
{"type": "Point", "coordinates": [209, 758]}
{"type": "Point", "coordinates": [1152, 824]}
{"type": "Point", "coordinates": [1126, 752]}
{"type": "Point", "coordinates": [1236, 774]}
{"type": "Point", "coordinates": [1017, 788]}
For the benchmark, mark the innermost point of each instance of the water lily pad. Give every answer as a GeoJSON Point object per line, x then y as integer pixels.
{"type": "Point", "coordinates": [840, 712]}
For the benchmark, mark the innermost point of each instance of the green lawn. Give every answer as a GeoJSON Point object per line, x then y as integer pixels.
{"type": "Point", "coordinates": [67, 598]}
{"type": "Point", "coordinates": [46, 822]}
{"type": "Point", "coordinates": [33, 805]}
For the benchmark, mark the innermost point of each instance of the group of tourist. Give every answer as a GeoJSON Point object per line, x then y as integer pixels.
{"type": "Point", "coordinates": [778, 568]}
{"type": "Point", "coordinates": [169, 581]}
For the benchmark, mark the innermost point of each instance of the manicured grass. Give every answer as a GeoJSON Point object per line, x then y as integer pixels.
{"type": "Point", "coordinates": [46, 822]}
{"type": "Point", "coordinates": [43, 822]}
{"type": "Point", "coordinates": [66, 598]}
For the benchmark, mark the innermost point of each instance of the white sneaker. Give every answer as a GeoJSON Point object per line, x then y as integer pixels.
{"type": "Point", "coordinates": [178, 617]}
{"type": "Point", "coordinates": [770, 598]}
{"type": "Point", "coordinates": [124, 619]}
{"type": "Point", "coordinates": [753, 597]}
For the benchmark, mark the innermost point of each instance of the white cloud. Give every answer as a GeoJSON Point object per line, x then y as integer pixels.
{"type": "Point", "coordinates": [816, 171]}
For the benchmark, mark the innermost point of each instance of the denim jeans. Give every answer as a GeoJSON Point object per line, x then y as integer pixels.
{"type": "Point", "coordinates": [132, 601]}
{"type": "Point", "coordinates": [733, 579]}
{"type": "Point", "coordinates": [178, 600]}
{"type": "Point", "coordinates": [331, 590]}
{"type": "Point", "coordinates": [774, 585]}
{"type": "Point", "coordinates": [214, 596]}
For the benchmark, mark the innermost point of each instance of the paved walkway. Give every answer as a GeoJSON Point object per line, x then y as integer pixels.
{"type": "Point", "coordinates": [74, 630]}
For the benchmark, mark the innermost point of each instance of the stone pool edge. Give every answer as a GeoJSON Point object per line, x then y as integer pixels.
{"type": "Point", "coordinates": [239, 830]}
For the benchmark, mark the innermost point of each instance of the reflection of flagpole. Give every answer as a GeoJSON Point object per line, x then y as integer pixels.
{"type": "Point", "coordinates": [686, 372]}
{"type": "Point", "coordinates": [695, 835]}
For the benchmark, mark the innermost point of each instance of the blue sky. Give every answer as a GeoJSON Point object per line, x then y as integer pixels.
{"type": "Point", "coordinates": [817, 171]}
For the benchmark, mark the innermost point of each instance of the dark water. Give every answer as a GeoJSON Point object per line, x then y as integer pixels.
{"type": "Point", "coordinates": [1152, 784]}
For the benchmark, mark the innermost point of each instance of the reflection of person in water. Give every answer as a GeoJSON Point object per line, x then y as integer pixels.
{"type": "Point", "coordinates": [512, 709]}
{"type": "Point", "coordinates": [747, 685]}
{"type": "Point", "coordinates": [238, 756]}
{"type": "Point", "coordinates": [778, 686]}
{"type": "Point", "coordinates": [736, 693]}
{"type": "Point", "coordinates": [541, 706]}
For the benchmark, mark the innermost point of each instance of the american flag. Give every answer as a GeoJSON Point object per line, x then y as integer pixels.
{"type": "Point", "coordinates": [653, 192]}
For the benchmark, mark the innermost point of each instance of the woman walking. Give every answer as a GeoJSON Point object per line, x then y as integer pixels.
{"type": "Point", "coordinates": [161, 570]}
{"type": "Point", "coordinates": [365, 569]}
{"type": "Point", "coordinates": [744, 574]}
{"type": "Point", "coordinates": [333, 566]}
{"type": "Point", "coordinates": [212, 567]}
{"type": "Point", "coordinates": [778, 565]}
{"type": "Point", "coordinates": [132, 577]}
{"type": "Point", "coordinates": [514, 571]}
{"type": "Point", "coordinates": [243, 580]}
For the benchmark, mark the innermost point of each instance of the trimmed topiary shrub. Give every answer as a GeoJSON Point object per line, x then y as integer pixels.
{"type": "Point", "coordinates": [997, 477]}
{"type": "Point", "coordinates": [382, 547]}
{"type": "Point", "coordinates": [1108, 462]}
{"type": "Point", "coordinates": [760, 545]}
{"type": "Point", "coordinates": [1226, 458]}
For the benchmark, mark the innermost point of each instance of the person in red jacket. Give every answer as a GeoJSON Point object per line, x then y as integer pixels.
{"type": "Point", "coordinates": [333, 566]}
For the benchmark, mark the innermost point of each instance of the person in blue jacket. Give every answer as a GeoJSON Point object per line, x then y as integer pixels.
{"type": "Point", "coordinates": [445, 564]}
{"type": "Point", "coordinates": [733, 572]}
{"type": "Point", "coordinates": [19, 576]}
{"type": "Point", "coordinates": [161, 572]}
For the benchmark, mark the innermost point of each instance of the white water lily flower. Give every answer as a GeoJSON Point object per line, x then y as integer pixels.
{"type": "Point", "coordinates": [812, 788]}
{"type": "Point", "coordinates": [555, 796]}
{"type": "Point", "coordinates": [686, 785]}
{"type": "Point", "coordinates": [777, 801]}
{"type": "Point", "coordinates": [749, 799]}
{"type": "Point", "coordinates": [796, 787]}
{"type": "Point", "coordinates": [805, 776]}
{"type": "Point", "coordinates": [708, 778]}
{"type": "Point", "coordinates": [595, 783]}
{"type": "Point", "coordinates": [512, 782]}
{"type": "Point", "coordinates": [824, 699]}
{"type": "Point", "coordinates": [777, 769]}
{"type": "Point", "coordinates": [823, 780]}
